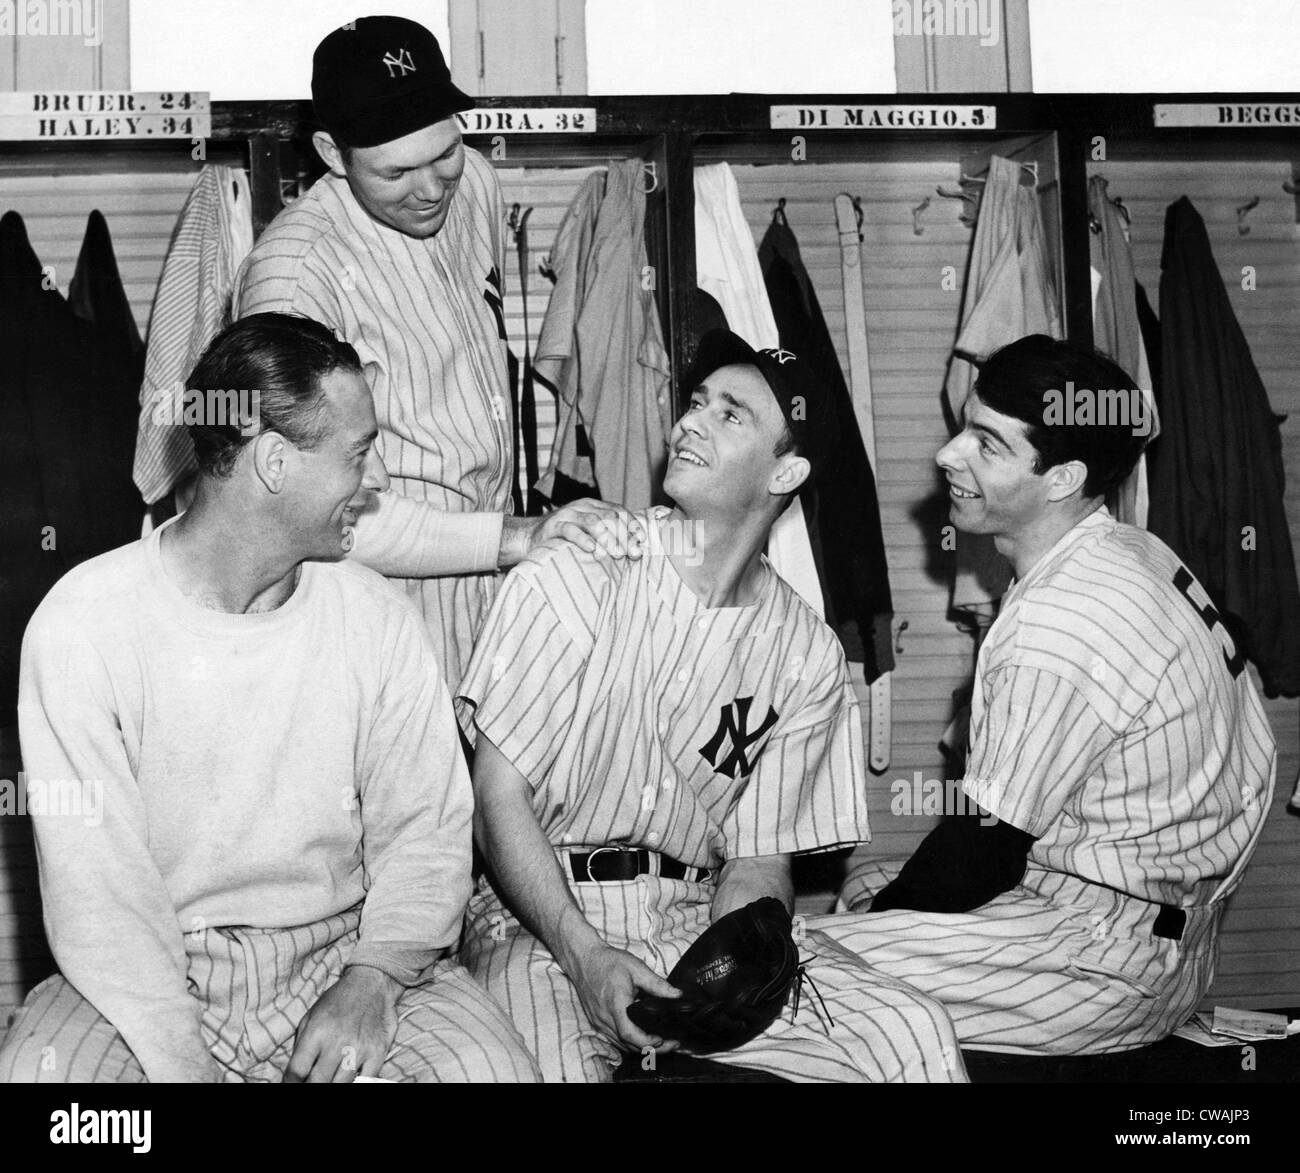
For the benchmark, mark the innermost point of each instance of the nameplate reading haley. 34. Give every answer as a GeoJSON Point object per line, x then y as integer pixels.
{"type": "Point", "coordinates": [54, 115]}
{"type": "Point", "coordinates": [911, 117]}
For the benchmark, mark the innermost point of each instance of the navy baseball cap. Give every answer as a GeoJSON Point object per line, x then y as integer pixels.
{"type": "Point", "coordinates": [379, 78]}
{"type": "Point", "coordinates": [797, 393]}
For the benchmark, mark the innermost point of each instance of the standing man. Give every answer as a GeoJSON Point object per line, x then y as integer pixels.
{"type": "Point", "coordinates": [1116, 738]}
{"type": "Point", "coordinates": [656, 739]}
{"type": "Point", "coordinates": [400, 249]}
{"type": "Point", "coordinates": [271, 857]}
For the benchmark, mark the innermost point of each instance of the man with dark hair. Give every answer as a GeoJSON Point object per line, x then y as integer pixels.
{"type": "Point", "coordinates": [656, 739]}
{"type": "Point", "coordinates": [265, 854]}
{"type": "Point", "coordinates": [400, 248]}
{"type": "Point", "coordinates": [1120, 766]}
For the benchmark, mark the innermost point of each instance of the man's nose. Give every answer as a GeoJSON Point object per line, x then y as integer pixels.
{"type": "Point", "coordinates": [375, 477]}
{"type": "Point", "coordinates": [949, 456]}
{"type": "Point", "coordinates": [429, 186]}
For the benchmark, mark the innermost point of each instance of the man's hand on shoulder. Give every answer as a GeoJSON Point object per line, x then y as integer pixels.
{"type": "Point", "coordinates": [349, 1030]}
{"type": "Point", "coordinates": [589, 524]}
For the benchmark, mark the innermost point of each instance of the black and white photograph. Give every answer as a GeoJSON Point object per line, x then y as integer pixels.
{"type": "Point", "coordinates": [665, 542]}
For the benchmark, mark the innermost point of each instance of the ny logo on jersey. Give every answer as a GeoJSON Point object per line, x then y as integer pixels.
{"type": "Point", "coordinates": [402, 61]}
{"type": "Point", "coordinates": [781, 355]}
{"type": "Point", "coordinates": [492, 296]}
{"type": "Point", "coordinates": [734, 724]}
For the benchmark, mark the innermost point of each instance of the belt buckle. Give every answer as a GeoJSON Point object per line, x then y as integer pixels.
{"type": "Point", "coordinates": [591, 857]}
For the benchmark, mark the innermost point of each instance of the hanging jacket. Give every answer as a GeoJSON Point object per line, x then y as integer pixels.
{"type": "Point", "coordinates": [65, 498]}
{"type": "Point", "coordinates": [845, 525]}
{"type": "Point", "coordinates": [1216, 473]}
{"type": "Point", "coordinates": [214, 234]}
{"type": "Point", "coordinates": [96, 296]}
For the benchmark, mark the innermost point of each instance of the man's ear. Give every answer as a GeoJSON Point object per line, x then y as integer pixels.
{"type": "Point", "coordinates": [790, 474]}
{"type": "Point", "coordinates": [1064, 480]}
{"type": "Point", "coordinates": [270, 460]}
{"type": "Point", "coordinates": [329, 153]}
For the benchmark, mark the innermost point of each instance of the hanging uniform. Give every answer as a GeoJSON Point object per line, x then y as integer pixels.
{"type": "Point", "coordinates": [602, 345]}
{"type": "Point", "coordinates": [426, 318]}
{"type": "Point", "coordinates": [191, 306]}
{"type": "Point", "coordinates": [1008, 295]}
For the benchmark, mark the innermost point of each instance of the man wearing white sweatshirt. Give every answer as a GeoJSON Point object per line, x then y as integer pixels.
{"type": "Point", "coordinates": [278, 856]}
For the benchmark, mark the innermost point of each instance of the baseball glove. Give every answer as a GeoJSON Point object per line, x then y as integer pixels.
{"type": "Point", "coordinates": [735, 979]}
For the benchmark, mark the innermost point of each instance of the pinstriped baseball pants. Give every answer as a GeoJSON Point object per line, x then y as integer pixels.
{"type": "Point", "coordinates": [1055, 966]}
{"type": "Point", "coordinates": [880, 1030]}
{"type": "Point", "coordinates": [255, 986]}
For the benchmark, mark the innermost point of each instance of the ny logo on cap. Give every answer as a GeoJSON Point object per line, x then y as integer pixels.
{"type": "Point", "coordinates": [781, 356]}
{"type": "Point", "coordinates": [402, 61]}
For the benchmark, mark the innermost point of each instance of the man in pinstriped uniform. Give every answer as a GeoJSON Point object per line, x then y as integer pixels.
{"type": "Point", "coordinates": [655, 739]}
{"type": "Point", "coordinates": [276, 861]}
{"type": "Point", "coordinates": [1116, 738]}
{"type": "Point", "coordinates": [400, 249]}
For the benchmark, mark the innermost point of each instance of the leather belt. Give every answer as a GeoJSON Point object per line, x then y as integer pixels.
{"type": "Point", "coordinates": [610, 865]}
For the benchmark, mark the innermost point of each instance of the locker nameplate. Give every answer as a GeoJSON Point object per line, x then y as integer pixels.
{"type": "Point", "coordinates": [1227, 114]}
{"type": "Point", "coordinates": [50, 115]}
{"type": "Point", "coordinates": [909, 117]}
{"type": "Point", "coordinates": [529, 120]}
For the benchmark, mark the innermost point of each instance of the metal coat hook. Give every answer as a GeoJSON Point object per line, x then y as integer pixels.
{"type": "Point", "coordinates": [970, 197]}
{"type": "Point", "coordinates": [917, 228]}
{"type": "Point", "coordinates": [545, 268]}
{"type": "Point", "coordinates": [1242, 227]}
{"type": "Point", "coordinates": [778, 213]}
{"type": "Point", "coordinates": [652, 170]}
{"type": "Point", "coordinates": [857, 211]}
{"type": "Point", "coordinates": [898, 638]}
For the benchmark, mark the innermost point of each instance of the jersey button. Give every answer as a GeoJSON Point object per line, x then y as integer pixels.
{"type": "Point", "coordinates": [653, 836]}
{"type": "Point", "coordinates": [683, 676]}
{"type": "Point", "coordinates": [702, 624]}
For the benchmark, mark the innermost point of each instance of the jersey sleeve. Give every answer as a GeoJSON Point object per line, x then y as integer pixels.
{"type": "Point", "coordinates": [1037, 741]}
{"type": "Point", "coordinates": [808, 788]}
{"type": "Point", "coordinates": [523, 685]}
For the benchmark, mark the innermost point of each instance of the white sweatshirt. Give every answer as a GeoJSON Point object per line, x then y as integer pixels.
{"type": "Point", "coordinates": [267, 770]}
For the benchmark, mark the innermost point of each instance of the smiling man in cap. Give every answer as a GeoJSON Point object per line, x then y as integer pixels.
{"type": "Point", "coordinates": [656, 739]}
{"type": "Point", "coordinates": [400, 249]}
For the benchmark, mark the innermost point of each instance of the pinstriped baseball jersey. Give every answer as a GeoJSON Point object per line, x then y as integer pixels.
{"type": "Point", "coordinates": [426, 319]}
{"type": "Point", "coordinates": [643, 717]}
{"type": "Point", "coordinates": [1114, 719]}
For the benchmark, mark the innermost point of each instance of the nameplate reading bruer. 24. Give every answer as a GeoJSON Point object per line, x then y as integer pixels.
{"type": "Point", "coordinates": [60, 115]}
